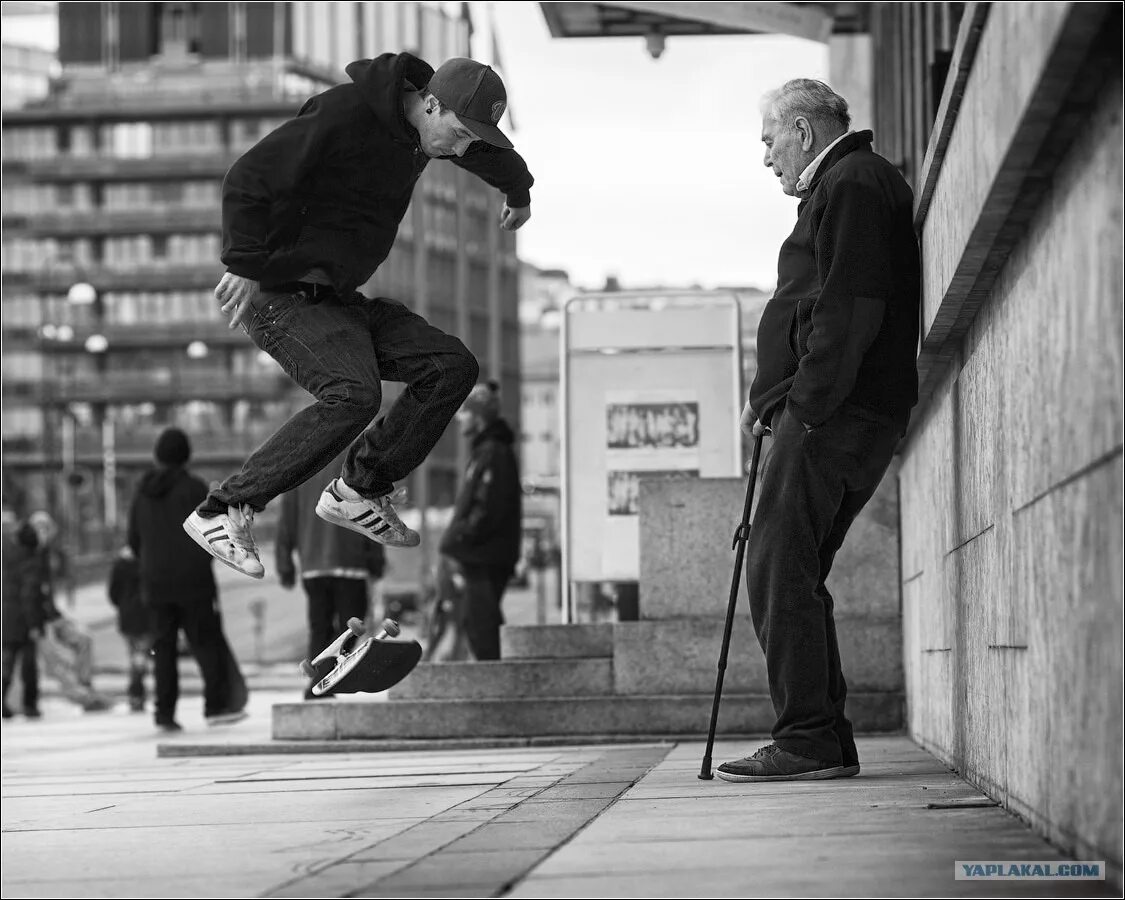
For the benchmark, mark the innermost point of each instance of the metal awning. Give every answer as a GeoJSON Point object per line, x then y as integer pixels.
{"type": "Point", "coordinates": [814, 21]}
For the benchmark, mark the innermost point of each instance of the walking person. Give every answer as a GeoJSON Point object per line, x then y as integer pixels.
{"type": "Point", "coordinates": [177, 584]}
{"type": "Point", "coordinates": [66, 648]}
{"type": "Point", "coordinates": [836, 381]}
{"type": "Point", "coordinates": [337, 567]}
{"type": "Point", "coordinates": [309, 214]}
{"type": "Point", "coordinates": [22, 624]}
{"type": "Point", "coordinates": [484, 533]}
{"type": "Point", "coordinates": [124, 591]}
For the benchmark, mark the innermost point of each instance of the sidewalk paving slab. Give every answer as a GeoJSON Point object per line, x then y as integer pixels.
{"type": "Point", "coordinates": [90, 810]}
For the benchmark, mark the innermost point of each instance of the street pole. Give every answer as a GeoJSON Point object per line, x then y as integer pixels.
{"type": "Point", "coordinates": [109, 473]}
{"type": "Point", "coordinates": [68, 463]}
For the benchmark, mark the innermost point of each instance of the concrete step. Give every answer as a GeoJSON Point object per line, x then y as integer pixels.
{"type": "Point", "coordinates": [556, 641]}
{"type": "Point", "coordinates": [680, 656]}
{"type": "Point", "coordinates": [553, 716]}
{"type": "Point", "coordinates": [507, 679]}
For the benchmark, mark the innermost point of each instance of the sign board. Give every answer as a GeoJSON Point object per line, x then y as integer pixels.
{"type": "Point", "coordinates": [651, 387]}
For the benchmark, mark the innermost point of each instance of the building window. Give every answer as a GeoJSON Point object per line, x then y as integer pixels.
{"type": "Point", "coordinates": [128, 140]}
{"type": "Point", "coordinates": [179, 29]}
{"type": "Point", "coordinates": [186, 138]}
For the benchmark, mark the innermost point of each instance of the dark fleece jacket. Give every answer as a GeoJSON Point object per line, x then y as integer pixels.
{"type": "Point", "coordinates": [843, 324]}
{"type": "Point", "coordinates": [173, 568]}
{"type": "Point", "coordinates": [328, 188]}
{"type": "Point", "coordinates": [486, 525]}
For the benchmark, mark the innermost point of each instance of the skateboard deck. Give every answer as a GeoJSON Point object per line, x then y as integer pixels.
{"type": "Point", "coordinates": [359, 663]}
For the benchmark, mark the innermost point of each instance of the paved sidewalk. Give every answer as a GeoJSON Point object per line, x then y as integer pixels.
{"type": "Point", "coordinates": [90, 811]}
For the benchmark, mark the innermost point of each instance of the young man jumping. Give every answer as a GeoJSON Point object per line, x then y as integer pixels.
{"type": "Point", "coordinates": [309, 214]}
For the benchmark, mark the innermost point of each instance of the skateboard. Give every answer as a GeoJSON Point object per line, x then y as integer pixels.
{"type": "Point", "coordinates": [358, 663]}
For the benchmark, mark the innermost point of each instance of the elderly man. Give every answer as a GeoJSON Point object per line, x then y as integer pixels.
{"type": "Point", "coordinates": [836, 380]}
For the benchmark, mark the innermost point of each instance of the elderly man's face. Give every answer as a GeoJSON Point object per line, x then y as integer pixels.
{"type": "Point", "coordinates": [785, 153]}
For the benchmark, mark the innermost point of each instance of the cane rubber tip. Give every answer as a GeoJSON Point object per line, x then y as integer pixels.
{"type": "Point", "coordinates": [707, 777]}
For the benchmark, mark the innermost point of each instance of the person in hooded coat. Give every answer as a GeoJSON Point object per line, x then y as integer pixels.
{"type": "Point", "coordinates": [483, 536]}
{"type": "Point", "coordinates": [177, 582]}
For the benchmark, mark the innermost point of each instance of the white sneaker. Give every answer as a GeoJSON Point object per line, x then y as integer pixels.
{"type": "Point", "coordinates": [228, 538]}
{"type": "Point", "coordinates": [373, 518]}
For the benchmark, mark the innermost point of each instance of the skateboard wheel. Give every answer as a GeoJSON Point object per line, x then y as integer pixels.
{"type": "Point", "coordinates": [307, 669]}
{"type": "Point", "coordinates": [357, 627]}
{"type": "Point", "coordinates": [390, 626]}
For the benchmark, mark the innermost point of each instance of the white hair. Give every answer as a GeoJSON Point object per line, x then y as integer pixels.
{"type": "Point", "coordinates": [808, 98]}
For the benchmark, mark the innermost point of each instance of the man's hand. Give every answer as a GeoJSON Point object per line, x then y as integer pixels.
{"type": "Point", "coordinates": [749, 422]}
{"type": "Point", "coordinates": [287, 579]}
{"type": "Point", "coordinates": [512, 218]}
{"type": "Point", "coordinates": [236, 293]}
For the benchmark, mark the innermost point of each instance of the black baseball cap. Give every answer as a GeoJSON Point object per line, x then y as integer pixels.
{"type": "Point", "coordinates": [476, 94]}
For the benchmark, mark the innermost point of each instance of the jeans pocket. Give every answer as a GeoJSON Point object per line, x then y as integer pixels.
{"type": "Point", "coordinates": [269, 328]}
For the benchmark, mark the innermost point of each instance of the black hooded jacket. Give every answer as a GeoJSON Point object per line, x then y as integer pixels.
{"type": "Point", "coordinates": [329, 188]}
{"type": "Point", "coordinates": [843, 323]}
{"type": "Point", "coordinates": [173, 568]}
{"type": "Point", "coordinates": [486, 525]}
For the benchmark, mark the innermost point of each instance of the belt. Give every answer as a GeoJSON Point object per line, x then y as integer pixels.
{"type": "Point", "coordinates": [314, 293]}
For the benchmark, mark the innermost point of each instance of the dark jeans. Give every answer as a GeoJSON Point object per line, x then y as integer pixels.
{"type": "Point", "coordinates": [484, 589]}
{"type": "Point", "coordinates": [813, 485]}
{"type": "Point", "coordinates": [202, 627]}
{"type": "Point", "coordinates": [332, 601]}
{"type": "Point", "coordinates": [28, 655]}
{"type": "Point", "coordinates": [338, 348]}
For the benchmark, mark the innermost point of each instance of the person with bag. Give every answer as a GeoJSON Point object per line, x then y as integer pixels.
{"type": "Point", "coordinates": [66, 648]}
{"type": "Point", "coordinates": [178, 585]}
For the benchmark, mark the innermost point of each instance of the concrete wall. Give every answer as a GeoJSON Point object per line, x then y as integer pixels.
{"type": "Point", "coordinates": [1012, 480]}
{"type": "Point", "coordinates": [850, 73]}
{"type": "Point", "coordinates": [686, 568]}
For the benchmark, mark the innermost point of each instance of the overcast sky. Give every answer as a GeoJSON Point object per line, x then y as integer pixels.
{"type": "Point", "coordinates": [648, 169]}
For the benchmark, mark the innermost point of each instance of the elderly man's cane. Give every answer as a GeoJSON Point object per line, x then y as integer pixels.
{"type": "Point", "coordinates": [741, 536]}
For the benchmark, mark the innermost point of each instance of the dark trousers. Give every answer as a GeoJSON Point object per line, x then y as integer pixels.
{"type": "Point", "coordinates": [484, 589]}
{"type": "Point", "coordinates": [140, 648]}
{"type": "Point", "coordinates": [814, 484]}
{"type": "Point", "coordinates": [338, 349]}
{"type": "Point", "coordinates": [332, 601]}
{"type": "Point", "coordinates": [28, 655]}
{"type": "Point", "coordinates": [202, 627]}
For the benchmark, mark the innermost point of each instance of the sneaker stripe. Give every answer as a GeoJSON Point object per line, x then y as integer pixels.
{"type": "Point", "coordinates": [379, 529]}
{"type": "Point", "coordinates": [366, 514]}
{"type": "Point", "coordinates": [213, 530]}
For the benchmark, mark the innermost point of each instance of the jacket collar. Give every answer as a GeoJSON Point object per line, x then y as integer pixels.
{"type": "Point", "coordinates": [858, 140]}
